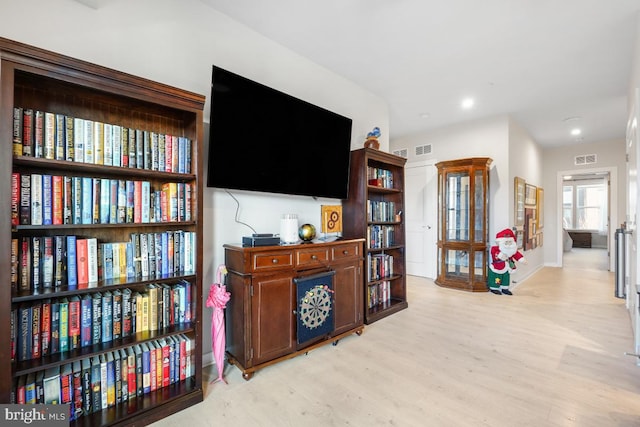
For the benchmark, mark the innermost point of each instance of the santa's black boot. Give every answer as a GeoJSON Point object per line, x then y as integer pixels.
{"type": "Point", "coordinates": [496, 291]}
{"type": "Point", "coordinates": [506, 292]}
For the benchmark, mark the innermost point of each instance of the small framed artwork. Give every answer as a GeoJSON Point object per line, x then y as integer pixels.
{"type": "Point", "coordinates": [518, 214]}
{"type": "Point", "coordinates": [540, 208]}
{"type": "Point", "coordinates": [520, 238]}
{"type": "Point", "coordinates": [530, 195]}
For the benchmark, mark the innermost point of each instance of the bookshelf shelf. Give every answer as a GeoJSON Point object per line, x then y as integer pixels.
{"type": "Point", "coordinates": [123, 156]}
{"type": "Point", "coordinates": [374, 212]}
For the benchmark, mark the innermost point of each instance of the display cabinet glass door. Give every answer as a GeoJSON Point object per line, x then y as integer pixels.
{"type": "Point", "coordinates": [457, 206]}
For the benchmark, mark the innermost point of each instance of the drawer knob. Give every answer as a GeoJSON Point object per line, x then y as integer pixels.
{"type": "Point", "coordinates": [274, 261]}
{"type": "Point", "coordinates": [345, 252]}
{"type": "Point", "coordinates": [314, 257]}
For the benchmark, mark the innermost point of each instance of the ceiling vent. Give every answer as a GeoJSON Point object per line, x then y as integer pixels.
{"type": "Point", "coordinates": [403, 152]}
{"type": "Point", "coordinates": [586, 159]}
{"type": "Point", "coordinates": [422, 150]}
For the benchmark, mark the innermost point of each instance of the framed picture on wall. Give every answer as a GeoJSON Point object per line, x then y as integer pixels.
{"type": "Point", "coordinates": [518, 198]}
{"type": "Point", "coordinates": [540, 207]}
{"type": "Point", "coordinates": [520, 238]}
{"type": "Point", "coordinates": [530, 195]}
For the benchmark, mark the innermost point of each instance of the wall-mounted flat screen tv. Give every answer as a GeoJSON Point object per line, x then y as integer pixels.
{"type": "Point", "coordinates": [261, 139]}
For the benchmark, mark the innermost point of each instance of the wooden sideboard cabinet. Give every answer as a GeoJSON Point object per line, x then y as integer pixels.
{"type": "Point", "coordinates": [262, 315]}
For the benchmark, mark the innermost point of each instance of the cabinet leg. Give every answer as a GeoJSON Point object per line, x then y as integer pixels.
{"type": "Point", "coordinates": [247, 375]}
{"type": "Point", "coordinates": [335, 343]}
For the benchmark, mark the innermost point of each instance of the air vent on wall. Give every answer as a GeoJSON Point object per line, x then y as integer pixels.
{"type": "Point", "coordinates": [403, 152]}
{"type": "Point", "coordinates": [422, 150]}
{"type": "Point", "coordinates": [586, 159]}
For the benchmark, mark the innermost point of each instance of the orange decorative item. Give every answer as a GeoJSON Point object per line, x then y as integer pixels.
{"type": "Point", "coordinates": [372, 139]}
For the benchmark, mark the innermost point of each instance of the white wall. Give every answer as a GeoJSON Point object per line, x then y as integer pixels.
{"type": "Point", "coordinates": [525, 161]}
{"type": "Point", "coordinates": [514, 153]}
{"type": "Point", "coordinates": [481, 138]}
{"type": "Point", "coordinates": [176, 43]}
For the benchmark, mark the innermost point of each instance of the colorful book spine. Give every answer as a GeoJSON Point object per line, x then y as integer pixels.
{"type": "Point", "coordinates": [74, 323]}
{"type": "Point", "coordinates": [86, 322]}
{"type": "Point", "coordinates": [86, 204]}
{"type": "Point", "coordinates": [36, 199]}
{"type": "Point", "coordinates": [45, 328]}
{"type": "Point", "coordinates": [38, 134]}
{"type": "Point", "coordinates": [17, 131]}
{"type": "Point", "coordinates": [96, 334]}
{"type": "Point", "coordinates": [72, 262]}
{"type": "Point", "coordinates": [57, 201]}
{"type": "Point", "coordinates": [60, 137]}
{"type": "Point", "coordinates": [64, 325]}
{"type": "Point", "coordinates": [107, 316]}
{"type": "Point", "coordinates": [69, 149]}
{"type": "Point", "coordinates": [25, 199]}
{"type": "Point", "coordinates": [78, 140]}
{"type": "Point", "coordinates": [27, 132]}
{"type": "Point", "coordinates": [92, 259]}
{"type": "Point", "coordinates": [59, 261]}
{"type": "Point", "coordinates": [82, 260]}
{"type": "Point", "coordinates": [47, 260]}
{"type": "Point", "coordinates": [15, 199]}
{"type": "Point", "coordinates": [49, 135]}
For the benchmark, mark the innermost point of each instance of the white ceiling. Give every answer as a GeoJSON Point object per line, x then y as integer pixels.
{"type": "Point", "coordinates": [541, 61]}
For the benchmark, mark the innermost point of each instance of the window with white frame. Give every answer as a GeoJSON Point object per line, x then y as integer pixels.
{"type": "Point", "coordinates": [584, 205]}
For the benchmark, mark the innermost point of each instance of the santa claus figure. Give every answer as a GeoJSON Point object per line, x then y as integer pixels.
{"type": "Point", "coordinates": [503, 260]}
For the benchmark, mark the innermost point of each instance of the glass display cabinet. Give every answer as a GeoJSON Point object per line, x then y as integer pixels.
{"type": "Point", "coordinates": [463, 227]}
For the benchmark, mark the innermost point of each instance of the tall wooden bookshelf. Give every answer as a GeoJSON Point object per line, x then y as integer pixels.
{"type": "Point", "coordinates": [40, 80]}
{"type": "Point", "coordinates": [374, 211]}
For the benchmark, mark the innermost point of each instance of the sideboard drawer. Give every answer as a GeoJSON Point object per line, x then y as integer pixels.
{"type": "Point", "coordinates": [270, 261]}
{"type": "Point", "coordinates": [311, 257]}
{"type": "Point", "coordinates": [346, 251]}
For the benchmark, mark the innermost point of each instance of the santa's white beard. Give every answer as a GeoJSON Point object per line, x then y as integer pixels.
{"type": "Point", "coordinates": [509, 247]}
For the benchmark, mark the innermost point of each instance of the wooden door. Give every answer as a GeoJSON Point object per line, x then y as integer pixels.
{"type": "Point", "coordinates": [272, 318]}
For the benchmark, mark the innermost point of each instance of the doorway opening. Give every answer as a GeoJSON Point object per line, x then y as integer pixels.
{"type": "Point", "coordinates": [586, 230]}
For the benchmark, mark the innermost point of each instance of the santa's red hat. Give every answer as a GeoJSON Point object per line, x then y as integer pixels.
{"type": "Point", "coordinates": [506, 233]}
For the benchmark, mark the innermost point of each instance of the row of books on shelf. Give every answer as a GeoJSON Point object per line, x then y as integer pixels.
{"type": "Point", "coordinates": [43, 199]}
{"type": "Point", "coordinates": [379, 294]}
{"type": "Point", "coordinates": [54, 136]}
{"type": "Point", "coordinates": [379, 211]}
{"type": "Point", "coordinates": [379, 177]}
{"type": "Point", "coordinates": [59, 325]}
{"type": "Point", "coordinates": [379, 266]}
{"type": "Point", "coordinates": [109, 379]}
{"type": "Point", "coordinates": [39, 262]}
{"type": "Point", "coordinates": [380, 236]}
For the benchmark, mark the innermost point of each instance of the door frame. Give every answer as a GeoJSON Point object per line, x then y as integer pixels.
{"type": "Point", "coordinates": [430, 269]}
{"type": "Point", "coordinates": [613, 209]}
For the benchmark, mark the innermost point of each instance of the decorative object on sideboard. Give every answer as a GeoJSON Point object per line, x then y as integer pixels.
{"type": "Point", "coordinates": [289, 229]}
{"type": "Point", "coordinates": [307, 232]}
{"type": "Point", "coordinates": [372, 139]}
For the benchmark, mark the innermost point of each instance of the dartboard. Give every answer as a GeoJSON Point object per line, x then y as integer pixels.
{"type": "Point", "coordinates": [315, 306]}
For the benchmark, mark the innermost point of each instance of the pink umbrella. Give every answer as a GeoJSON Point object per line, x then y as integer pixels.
{"type": "Point", "coordinates": [218, 298]}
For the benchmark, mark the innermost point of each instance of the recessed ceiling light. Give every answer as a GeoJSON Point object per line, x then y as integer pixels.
{"type": "Point", "coordinates": [467, 103]}
{"type": "Point", "coordinates": [576, 132]}
{"type": "Point", "coordinates": [424, 115]}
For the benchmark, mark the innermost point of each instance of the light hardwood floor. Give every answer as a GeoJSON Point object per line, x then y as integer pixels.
{"type": "Point", "coordinates": [550, 355]}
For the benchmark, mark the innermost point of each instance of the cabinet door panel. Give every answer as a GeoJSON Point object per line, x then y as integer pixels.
{"type": "Point", "coordinates": [273, 332]}
{"type": "Point", "coordinates": [348, 297]}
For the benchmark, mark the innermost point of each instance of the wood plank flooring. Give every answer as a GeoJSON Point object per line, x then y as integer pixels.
{"type": "Point", "coordinates": [550, 355]}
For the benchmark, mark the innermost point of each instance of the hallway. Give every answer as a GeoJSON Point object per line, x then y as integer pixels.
{"type": "Point", "coordinates": [551, 355]}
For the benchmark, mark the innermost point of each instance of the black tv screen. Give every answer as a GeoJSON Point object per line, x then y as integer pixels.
{"type": "Point", "coordinates": [261, 139]}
